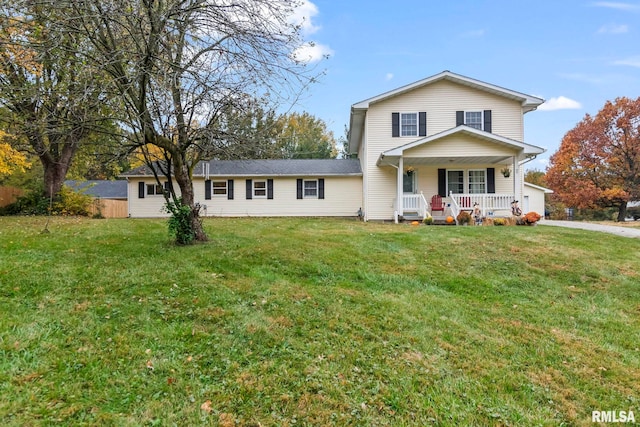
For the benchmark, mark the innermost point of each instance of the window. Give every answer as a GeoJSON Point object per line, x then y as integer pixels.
{"type": "Point", "coordinates": [310, 188]}
{"type": "Point", "coordinates": [219, 188]}
{"type": "Point", "coordinates": [473, 119]}
{"type": "Point", "coordinates": [259, 189]}
{"type": "Point", "coordinates": [409, 124]}
{"type": "Point", "coordinates": [477, 181]}
{"type": "Point", "coordinates": [155, 190]}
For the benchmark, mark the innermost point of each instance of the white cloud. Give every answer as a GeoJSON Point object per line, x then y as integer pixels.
{"type": "Point", "coordinates": [311, 52]}
{"type": "Point", "coordinates": [560, 103]}
{"type": "Point", "coordinates": [613, 29]}
{"type": "Point", "coordinates": [617, 5]}
{"type": "Point", "coordinates": [633, 61]}
{"type": "Point", "coordinates": [388, 77]}
{"type": "Point", "coordinates": [302, 16]}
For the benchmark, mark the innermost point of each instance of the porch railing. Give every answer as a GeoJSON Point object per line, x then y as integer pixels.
{"type": "Point", "coordinates": [489, 203]}
{"type": "Point", "coordinates": [415, 203]}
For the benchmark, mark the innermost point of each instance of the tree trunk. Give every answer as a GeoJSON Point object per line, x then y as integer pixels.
{"type": "Point", "coordinates": [622, 212]}
{"type": "Point", "coordinates": [54, 174]}
{"type": "Point", "coordinates": [185, 183]}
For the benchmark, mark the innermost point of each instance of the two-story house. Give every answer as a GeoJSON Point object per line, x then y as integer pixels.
{"type": "Point", "coordinates": [449, 136]}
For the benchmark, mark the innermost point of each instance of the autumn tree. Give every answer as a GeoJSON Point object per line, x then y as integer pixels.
{"type": "Point", "coordinates": [178, 65]}
{"type": "Point", "coordinates": [11, 160]}
{"type": "Point", "coordinates": [598, 162]}
{"type": "Point", "coordinates": [54, 100]}
{"type": "Point", "coordinates": [304, 136]}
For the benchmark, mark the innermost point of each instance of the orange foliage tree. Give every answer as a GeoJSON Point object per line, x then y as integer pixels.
{"type": "Point", "coordinates": [598, 162]}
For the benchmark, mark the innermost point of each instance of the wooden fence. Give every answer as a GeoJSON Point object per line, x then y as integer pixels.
{"type": "Point", "coordinates": [109, 208]}
{"type": "Point", "coordinates": [9, 195]}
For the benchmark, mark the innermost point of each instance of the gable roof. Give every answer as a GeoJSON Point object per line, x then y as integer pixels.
{"type": "Point", "coordinates": [537, 187]}
{"type": "Point", "coordinates": [359, 109]}
{"type": "Point", "coordinates": [103, 189]}
{"type": "Point", "coordinates": [267, 167]}
{"type": "Point", "coordinates": [529, 102]}
{"type": "Point", "coordinates": [527, 149]}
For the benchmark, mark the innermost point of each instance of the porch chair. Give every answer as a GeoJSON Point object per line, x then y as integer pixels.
{"type": "Point", "coordinates": [436, 203]}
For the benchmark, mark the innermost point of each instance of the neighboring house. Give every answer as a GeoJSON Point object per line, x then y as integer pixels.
{"type": "Point", "coordinates": [446, 135]}
{"type": "Point", "coordinates": [318, 187]}
{"type": "Point", "coordinates": [110, 197]}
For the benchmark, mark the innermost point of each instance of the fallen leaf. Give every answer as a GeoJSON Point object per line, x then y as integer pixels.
{"type": "Point", "coordinates": [206, 406]}
{"type": "Point", "coordinates": [150, 365]}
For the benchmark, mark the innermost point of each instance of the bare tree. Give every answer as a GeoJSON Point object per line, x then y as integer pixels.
{"type": "Point", "coordinates": [180, 65]}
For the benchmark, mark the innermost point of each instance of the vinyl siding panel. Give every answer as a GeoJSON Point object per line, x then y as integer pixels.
{"type": "Point", "coordinates": [459, 146]}
{"type": "Point", "coordinates": [440, 100]}
{"type": "Point", "coordinates": [343, 197]}
{"type": "Point", "coordinates": [152, 206]}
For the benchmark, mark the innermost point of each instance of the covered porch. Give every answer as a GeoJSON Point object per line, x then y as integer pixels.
{"type": "Point", "coordinates": [444, 174]}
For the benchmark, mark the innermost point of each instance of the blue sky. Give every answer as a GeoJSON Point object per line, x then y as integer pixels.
{"type": "Point", "coordinates": [575, 54]}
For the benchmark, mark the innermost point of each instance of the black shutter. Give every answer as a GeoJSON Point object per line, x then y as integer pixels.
{"type": "Point", "coordinates": [491, 180]}
{"type": "Point", "coordinates": [459, 118]}
{"type": "Point", "coordinates": [321, 188]}
{"type": "Point", "coordinates": [269, 189]}
{"type": "Point", "coordinates": [442, 182]}
{"type": "Point", "coordinates": [395, 125]}
{"type": "Point", "coordinates": [298, 188]}
{"type": "Point", "coordinates": [207, 189]}
{"type": "Point", "coordinates": [487, 120]}
{"type": "Point", "coordinates": [249, 189]}
{"type": "Point", "coordinates": [422, 124]}
{"type": "Point", "coordinates": [230, 189]}
{"type": "Point", "coordinates": [141, 186]}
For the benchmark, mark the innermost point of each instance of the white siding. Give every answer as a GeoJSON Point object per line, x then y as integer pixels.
{"type": "Point", "coordinates": [536, 200]}
{"type": "Point", "coordinates": [459, 146]}
{"type": "Point", "coordinates": [440, 100]}
{"type": "Point", "coordinates": [343, 197]}
{"type": "Point", "coordinates": [151, 206]}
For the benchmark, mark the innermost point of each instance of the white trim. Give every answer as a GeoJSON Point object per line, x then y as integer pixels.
{"type": "Point", "coordinates": [253, 189]}
{"type": "Point", "coordinates": [537, 187]}
{"type": "Point", "coordinates": [226, 188]}
{"type": "Point", "coordinates": [481, 118]}
{"type": "Point", "coordinates": [304, 189]}
{"type": "Point", "coordinates": [527, 148]}
{"type": "Point", "coordinates": [484, 173]}
{"type": "Point", "coordinates": [417, 115]}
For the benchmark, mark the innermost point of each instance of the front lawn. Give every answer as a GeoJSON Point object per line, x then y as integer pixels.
{"type": "Point", "coordinates": [283, 322]}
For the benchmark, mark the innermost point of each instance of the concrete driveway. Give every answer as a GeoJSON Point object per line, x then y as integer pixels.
{"type": "Point", "coordinates": [620, 231]}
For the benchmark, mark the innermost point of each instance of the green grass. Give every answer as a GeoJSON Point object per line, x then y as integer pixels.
{"type": "Point", "coordinates": [278, 322]}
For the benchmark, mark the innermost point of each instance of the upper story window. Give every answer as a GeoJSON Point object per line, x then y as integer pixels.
{"type": "Point", "coordinates": [473, 119]}
{"type": "Point", "coordinates": [409, 124]}
{"type": "Point", "coordinates": [476, 119]}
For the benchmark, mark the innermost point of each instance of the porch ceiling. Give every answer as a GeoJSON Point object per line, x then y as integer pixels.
{"type": "Point", "coordinates": [430, 161]}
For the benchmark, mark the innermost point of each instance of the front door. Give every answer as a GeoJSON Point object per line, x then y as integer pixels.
{"type": "Point", "coordinates": [455, 181]}
{"type": "Point", "coordinates": [409, 182]}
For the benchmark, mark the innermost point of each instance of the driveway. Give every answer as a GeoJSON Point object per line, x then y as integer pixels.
{"type": "Point", "coordinates": [620, 231]}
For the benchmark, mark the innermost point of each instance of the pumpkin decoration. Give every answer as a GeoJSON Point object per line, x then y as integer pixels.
{"type": "Point", "coordinates": [449, 219]}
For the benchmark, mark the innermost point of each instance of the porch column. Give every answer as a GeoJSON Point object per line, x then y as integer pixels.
{"type": "Point", "coordinates": [400, 186]}
{"type": "Point", "coordinates": [518, 179]}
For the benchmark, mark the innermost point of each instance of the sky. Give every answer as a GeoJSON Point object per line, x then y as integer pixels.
{"type": "Point", "coordinates": [574, 54]}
